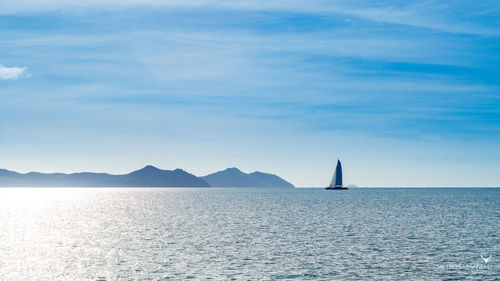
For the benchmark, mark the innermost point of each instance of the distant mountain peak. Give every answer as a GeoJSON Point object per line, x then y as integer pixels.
{"type": "Point", "coordinates": [233, 169]}
{"type": "Point", "coordinates": [149, 167]}
{"type": "Point", "coordinates": [148, 170]}
{"type": "Point", "coordinates": [233, 177]}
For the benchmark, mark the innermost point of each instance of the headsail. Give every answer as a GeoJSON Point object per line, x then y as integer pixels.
{"type": "Point", "coordinates": [332, 183]}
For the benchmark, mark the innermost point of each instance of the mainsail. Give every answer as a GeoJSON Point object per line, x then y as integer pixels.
{"type": "Point", "coordinates": [337, 176]}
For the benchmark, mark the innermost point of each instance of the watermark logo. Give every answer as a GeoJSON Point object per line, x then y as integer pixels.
{"type": "Point", "coordinates": [486, 260]}
{"type": "Point", "coordinates": [469, 266]}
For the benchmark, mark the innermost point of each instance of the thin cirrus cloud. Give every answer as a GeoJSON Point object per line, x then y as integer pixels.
{"type": "Point", "coordinates": [12, 72]}
{"type": "Point", "coordinates": [427, 15]}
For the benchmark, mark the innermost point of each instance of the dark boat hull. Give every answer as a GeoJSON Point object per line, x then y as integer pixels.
{"type": "Point", "coordinates": [336, 188]}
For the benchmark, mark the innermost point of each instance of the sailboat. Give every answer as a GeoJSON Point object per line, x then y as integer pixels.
{"type": "Point", "coordinates": [336, 183]}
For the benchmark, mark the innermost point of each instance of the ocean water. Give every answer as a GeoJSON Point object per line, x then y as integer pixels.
{"type": "Point", "coordinates": [249, 234]}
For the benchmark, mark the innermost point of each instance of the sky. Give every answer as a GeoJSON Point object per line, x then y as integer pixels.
{"type": "Point", "coordinates": [404, 93]}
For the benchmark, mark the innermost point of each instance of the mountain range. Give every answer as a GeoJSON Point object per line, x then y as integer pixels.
{"type": "Point", "coordinates": [148, 176]}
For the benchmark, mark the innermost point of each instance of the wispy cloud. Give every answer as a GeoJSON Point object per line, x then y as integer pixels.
{"type": "Point", "coordinates": [434, 15]}
{"type": "Point", "coordinates": [11, 72]}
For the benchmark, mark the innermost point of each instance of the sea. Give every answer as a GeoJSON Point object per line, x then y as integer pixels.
{"type": "Point", "coordinates": [249, 234]}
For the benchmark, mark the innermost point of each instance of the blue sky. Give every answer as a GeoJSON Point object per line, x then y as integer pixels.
{"type": "Point", "coordinates": [404, 93]}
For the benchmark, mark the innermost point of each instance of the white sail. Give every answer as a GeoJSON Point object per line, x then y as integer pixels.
{"type": "Point", "coordinates": [332, 183]}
